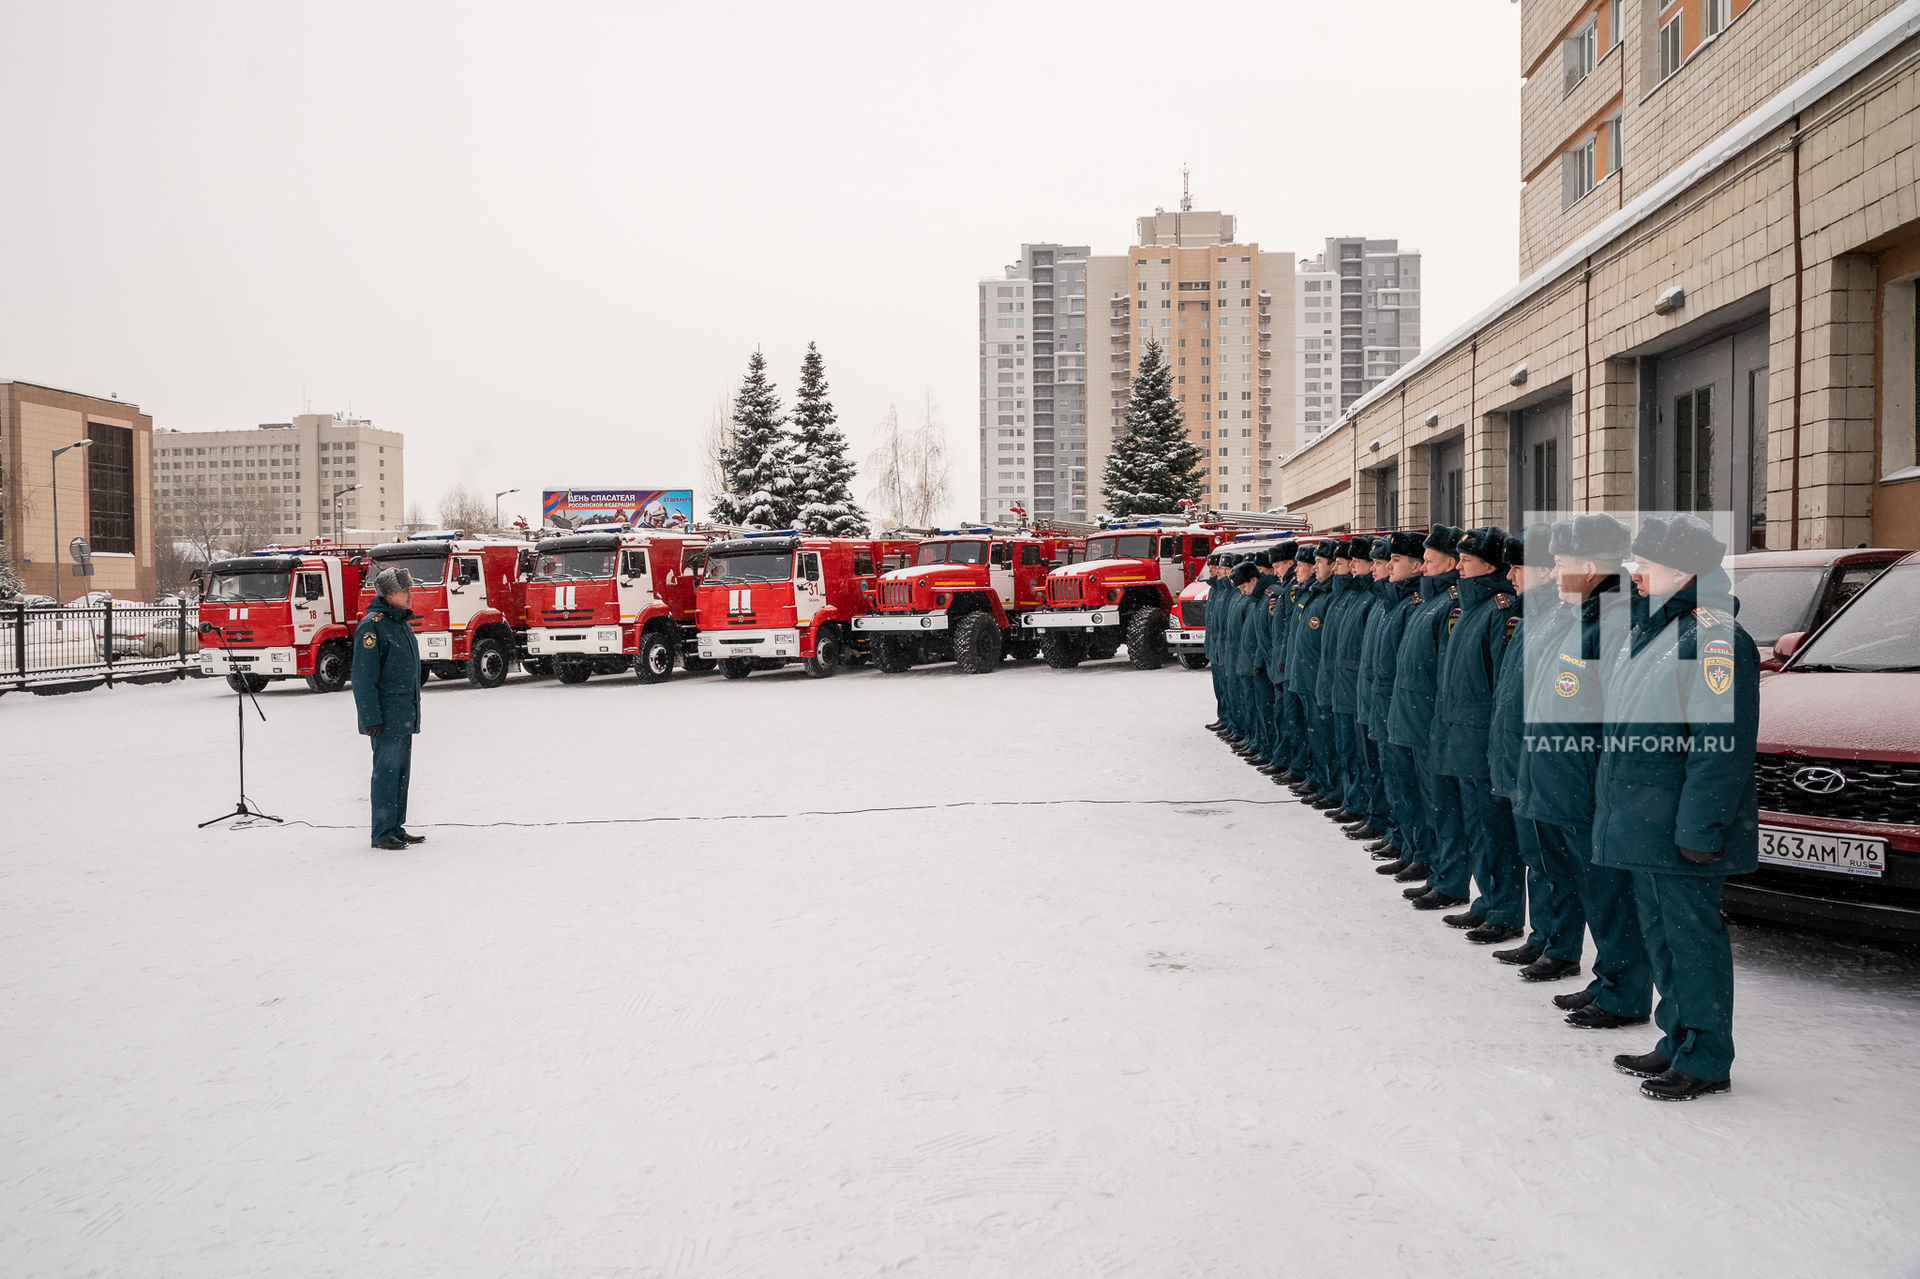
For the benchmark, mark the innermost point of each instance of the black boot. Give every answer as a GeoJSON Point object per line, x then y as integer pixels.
{"type": "Point", "coordinates": [1413, 874]}
{"type": "Point", "coordinates": [1342, 816]}
{"type": "Point", "coordinates": [1417, 891]}
{"type": "Point", "coordinates": [1287, 777]}
{"type": "Point", "coordinates": [1257, 760]}
{"type": "Point", "coordinates": [412, 839]}
{"type": "Point", "coordinates": [1366, 830]}
{"type": "Point", "coordinates": [1518, 955]}
{"type": "Point", "coordinates": [1322, 802]}
{"type": "Point", "coordinates": [1594, 1017]}
{"type": "Point", "coordinates": [1643, 1065]}
{"type": "Point", "coordinates": [1387, 854]}
{"type": "Point", "coordinates": [1215, 727]}
{"type": "Point", "coordinates": [1393, 867]}
{"type": "Point", "coordinates": [1578, 999]}
{"type": "Point", "coordinates": [1464, 919]}
{"type": "Point", "coordinates": [1678, 1085]}
{"type": "Point", "coordinates": [1381, 845]}
{"type": "Point", "coordinates": [1272, 769]}
{"type": "Point", "coordinates": [1438, 901]}
{"type": "Point", "coordinates": [1489, 934]}
{"type": "Point", "coordinates": [1546, 968]}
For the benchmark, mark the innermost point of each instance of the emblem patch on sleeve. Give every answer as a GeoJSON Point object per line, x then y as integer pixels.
{"type": "Point", "coordinates": [1512, 622]}
{"type": "Point", "coordinates": [1716, 663]}
{"type": "Point", "coordinates": [369, 641]}
{"type": "Point", "coordinates": [1452, 617]}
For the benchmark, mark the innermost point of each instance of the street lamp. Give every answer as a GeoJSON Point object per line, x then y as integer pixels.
{"type": "Point", "coordinates": [336, 508]}
{"type": "Point", "coordinates": [496, 505]}
{"type": "Point", "coordinates": [54, 466]}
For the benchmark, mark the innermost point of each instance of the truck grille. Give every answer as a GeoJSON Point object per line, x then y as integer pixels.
{"type": "Point", "coordinates": [1066, 592]}
{"type": "Point", "coordinates": [1193, 613]}
{"type": "Point", "coordinates": [566, 617]}
{"type": "Point", "coordinates": [896, 595]}
{"type": "Point", "coordinates": [1874, 791]}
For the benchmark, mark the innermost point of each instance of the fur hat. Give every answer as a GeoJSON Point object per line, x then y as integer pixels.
{"type": "Point", "coordinates": [1443, 538]}
{"type": "Point", "coordinates": [1263, 558]}
{"type": "Point", "coordinates": [1382, 548]}
{"type": "Point", "coordinates": [1343, 549]}
{"type": "Point", "coordinates": [1303, 553]}
{"type": "Point", "coordinates": [1323, 551]}
{"type": "Point", "coordinates": [1684, 542]}
{"type": "Point", "coordinates": [1591, 537]}
{"type": "Point", "coordinates": [391, 579]}
{"type": "Point", "coordinates": [1244, 572]}
{"type": "Point", "coordinates": [1488, 542]}
{"type": "Point", "coordinates": [1407, 544]}
{"type": "Point", "coordinates": [1530, 545]}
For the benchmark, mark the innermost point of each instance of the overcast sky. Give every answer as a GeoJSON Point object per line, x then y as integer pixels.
{"type": "Point", "coordinates": [541, 240]}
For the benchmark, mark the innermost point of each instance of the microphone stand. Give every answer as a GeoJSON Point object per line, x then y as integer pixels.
{"type": "Point", "coordinates": [243, 693]}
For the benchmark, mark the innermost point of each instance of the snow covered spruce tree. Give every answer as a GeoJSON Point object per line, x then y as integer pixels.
{"type": "Point", "coordinates": [758, 462]}
{"type": "Point", "coordinates": [1153, 466]}
{"type": "Point", "coordinates": [823, 484]}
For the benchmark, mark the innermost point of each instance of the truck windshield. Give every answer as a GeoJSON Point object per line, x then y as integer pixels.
{"type": "Point", "coordinates": [266, 585]}
{"type": "Point", "coordinates": [425, 570]}
{"type": "Point", "coordinates": [1134, 546]}
{"type": "Point", "coordinates": [1878, 631]}
{"type": "Point", "coordinates": [751, 566]}
{"type": "Point", "coordinates": [574, 566]}
{"type": "Point", "coordinates": [952, 553]}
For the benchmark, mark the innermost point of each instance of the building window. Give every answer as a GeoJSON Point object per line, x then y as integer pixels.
{"type": "Point", "coordinates": [1614, 148]}
{"type": "Point", "coordinates": [1714, 16]}
{"type": "Point", "coordinates": [110, 488]}
{"type": "Point", "coordinates": [1615, 20]}
{"type": "Point", "coordinates": [1579, 54]}
{"type": "Point", "coordinates": [1670, 56]}
{"type": "Point", "coordinates": [1576, 174]}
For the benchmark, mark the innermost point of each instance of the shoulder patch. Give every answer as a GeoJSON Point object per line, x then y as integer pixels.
{"type": "Point", "coordinates": [1512, 623]}
{"type": "Point", "coordinates": [1502, 600]}
{"type": "Point", "coordinates": [1453, 615]}
{"type": "Point", "coordinates": [1716, 666]}
{"type": "Point", "coordinates": [1705, 618]}
{"type": "Point", "coordinates": [368, 641]}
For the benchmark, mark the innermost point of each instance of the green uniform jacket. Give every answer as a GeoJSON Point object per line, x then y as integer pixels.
{"type": "Point", "coordinates": [386, 670]}
{"type": "Point", "coordinates": [1348, 636]}
{"type": "Point", "coordinates": [1303, 643]}
{"type": "Point", "coordinates": [1566, 707]}
{"type": "Point", "coordinates": [1279, 624]}
{"type": "Point", "coordinates": [1417, 664]}
{"type": "Point", "coordinates": [1463, 690]}
{"type": "Point", "coordinates": [1678, 769]}
{"type": "Point", "coordinates": [1216, 593]}
{"type": "Point", "coordinates": [1339, 603]}
{"type": "Point", "coordinates": [1384, 627]}
{"type": "Point", "coordinates": [1532, 614]}
{"type": "Point", "coordinates": [1247, 648]}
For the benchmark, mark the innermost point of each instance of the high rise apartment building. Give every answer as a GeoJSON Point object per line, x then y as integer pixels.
{"type": "Point", "coordinates": [1356, 321]}
{"type": "Point", "coordinates": [1033, 385]}
{"type": "Point", "coordinates": [279, 479]}
{"type": "Point", "coordinates": [1209, 300]}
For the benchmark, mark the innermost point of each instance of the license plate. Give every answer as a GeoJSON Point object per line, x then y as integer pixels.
{"type": "Point", "coordinates": [1838, 853]}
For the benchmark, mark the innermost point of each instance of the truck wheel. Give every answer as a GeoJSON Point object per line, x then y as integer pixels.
{"type": "Point", "coordinates": [251, 683]}
{"type": "Point", "coordinates": [826, 654]}
{"type": "Point", "coordinates": [1192, 662]}
{"type": "Point", "coordinates": [1147, 640]}
{"type": "Point", "coordinates": [487, 663]}
{"type": "Point", "coordinates": [889, 654]}
{"type": "Point", "coordinates": [1063, 650]}
{"type": "Point", "coordinates": [571, 670]}
{"type": "Point", "coordinates": [538, 667]}
{"type": "Point", "coordinates": [697, 665]}
{"type": "Point", "coordinates": [736, 667]}
{"type": "Point", "coordinates": [331, 668]}
{"type": "Point", "coordinates": [1103, 644]}
{"type": "Point", "coordinates": [976, 644]}
{"type": "Point", "coordinates": [654, 661]}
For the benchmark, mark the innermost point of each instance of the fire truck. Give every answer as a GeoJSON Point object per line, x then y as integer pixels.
{"type": "Point", "coordinates": [1123, 592]}
{"type": "Point", "coordinates": [469, 601]}
{"type": "Point", "coordinates": [601, 602]}
{"type": "Point", "coordinates": [1187, 625]}
{"type": "Point", "coordinates": [965, 598]}
{"type": "Point", "coordinates": [282, 612]}
{"type": "Point", "coordinates": [770, 598]}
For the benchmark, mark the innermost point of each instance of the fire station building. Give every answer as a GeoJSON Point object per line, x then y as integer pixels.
{"type": "Point", "coordinates": [1720, 244]}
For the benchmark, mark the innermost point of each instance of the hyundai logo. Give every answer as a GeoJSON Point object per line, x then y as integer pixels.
{"type": "Point", "coordinates": [1819, 781]}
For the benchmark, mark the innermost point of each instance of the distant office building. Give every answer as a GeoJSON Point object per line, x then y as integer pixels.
{"type": "Point", "coordinates": [1356, 321]}
{"type": "Point", "coordinates": [103, 493]}
{"type": "Point", "coordinates": [1209, 299]}
{"type": "Point", "coordinates": [1033, 385]}
{"type": "Point", "coordinates": [278, 481]}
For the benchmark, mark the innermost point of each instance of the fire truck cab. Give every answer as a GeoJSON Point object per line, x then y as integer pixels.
{"type": "Point", "coordinates": [469, 602]}
{"type": "Point", "coordinates": [1187, 626]}
{"type": "Point", "coordinates": [1123, 592]}
{"type": "Point", "coordinates": [777, 597]}
{"type": "Point", "coordinates": [607, 601]}
{"type": "Point", "coordinates": [282, 613]}
{"type": "Point", "coordinates": [965, 599]}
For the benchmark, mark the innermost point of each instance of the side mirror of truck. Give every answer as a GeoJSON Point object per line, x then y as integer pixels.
{"type": "Point", "coordinates": [1786, 646]}
{"type": "Point", "coordinates": [466, 579]}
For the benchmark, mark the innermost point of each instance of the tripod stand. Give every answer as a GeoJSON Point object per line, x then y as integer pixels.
{"type": "Point", "coordinates": [242, 694]}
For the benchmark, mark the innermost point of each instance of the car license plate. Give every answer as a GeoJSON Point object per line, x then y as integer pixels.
{"type": "Point", "coordinates": [1839, 853]}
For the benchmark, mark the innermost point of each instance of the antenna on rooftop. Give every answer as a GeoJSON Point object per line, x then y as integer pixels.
{"type": "Point", "coordinates": [1186, 196]}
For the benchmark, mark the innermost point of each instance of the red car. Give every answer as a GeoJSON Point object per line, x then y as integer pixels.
{"type": "Point", "coordinates": [1785, 591]}
{"type": "Point", "coordinates": [1839, 770]}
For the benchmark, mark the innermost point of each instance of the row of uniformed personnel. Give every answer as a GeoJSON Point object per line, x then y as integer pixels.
{"type": "Point", "coordinates": [1526, 734]}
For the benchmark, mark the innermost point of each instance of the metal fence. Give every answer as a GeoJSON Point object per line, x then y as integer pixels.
{"type": "Point", "coordinates": [61, 650]}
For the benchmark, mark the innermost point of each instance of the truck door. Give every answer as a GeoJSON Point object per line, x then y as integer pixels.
{"type": "Point", "coordinates": [1173, 573]}
{"type": "Point", "coordinates": [808, 587]}
{"type": "Point", "coordinates": [1198, 548]}
{"type": "Point", "coordinates": [1000, 572]}
{"type": "Point", "coordinates": [311, 610]}
{"type": "Point", "coordinates": [636, 588]}
{"type": "Point", "coordinates": [466, 591]}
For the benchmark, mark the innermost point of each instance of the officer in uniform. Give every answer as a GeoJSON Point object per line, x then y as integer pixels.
{"type": "Point", "coordinates": [1341, 673]}
{"type": "Point", "coordinates": [1566, 695]}
{"type": "Point", "coordinates": [1407, 845]}
{"type": "Point", "coordinates": [1231, 616]}
{"type": "Point", "coordinates": [1676, 800]}
{"type": "Point", "coordinates": [1462, 714]}
{"type": "Point", "coordinates": [1256, 640]}
{"type": "Point", "coordinates": [1555, 922]}
{"type": "Point", "coordinates": [1216, 587]}
{"type": "Point", "coordinates": [1304, 652]}
{"type": "Point", "coordinates": [1299, 759]}
{"type": "Point", "coordinates": [1410, 725]}
{"type": "Point", "coordinates": [1279, 611]}
{"type": "Point", "coordinates": [1378, 824]}
{"type": "Point", "coordinates": [1338, 736]}
{"type": "Point", "coordinates": [386, 697]}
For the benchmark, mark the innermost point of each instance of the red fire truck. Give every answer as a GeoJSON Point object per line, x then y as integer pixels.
{"type": "Point", "coordinates": [772, 598]}
{"type": "Point", "coordinates": [965, 598]}
{"type": "Point", "coordinates": [1123, 592]}
{"type": "Point", "coordinates": [469, 601]}
{"type": "Point", "coordinates": [282, 612]}
{"type": "Point", "coordinates": [601, 602]}
{"type": "Point", "coordinates": [1187, 626]}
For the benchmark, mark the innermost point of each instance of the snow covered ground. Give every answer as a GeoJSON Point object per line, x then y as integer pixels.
{"type": "Point", "coordinates": [1013, 1027]}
